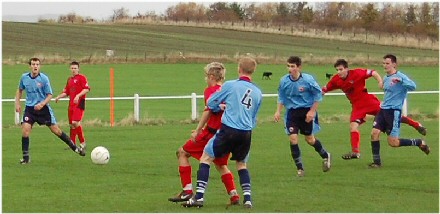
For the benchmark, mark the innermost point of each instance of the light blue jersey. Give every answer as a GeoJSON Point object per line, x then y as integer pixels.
{"type": "Point", "coordinates": [396, 87]}
{"type": "Point", "coordinates": [242, 99]}
{"type": "Point", "coordinates": [36, 88]}
{"type": "Point", "coordinates": [300, 93]}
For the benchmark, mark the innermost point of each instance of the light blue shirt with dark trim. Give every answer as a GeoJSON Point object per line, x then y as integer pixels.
{"type": "Point", "coordinates": [396, 87]}
{"type": "Point", "coordinates": [37, 88]}
{"type": "Point", "coordinates": [300, 93]}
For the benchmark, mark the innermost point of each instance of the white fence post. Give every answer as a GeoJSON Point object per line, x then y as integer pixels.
{"type": "Point", "coordinates": [17, 117]}
{"type": "Point", "coordinates": [136, 108]}
{"type": "Point", "coordinates": [193, 106]}
{"type": "Point", "coordinates": [405, 108]}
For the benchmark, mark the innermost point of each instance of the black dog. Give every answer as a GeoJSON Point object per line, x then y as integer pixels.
{"type": "Point", "coordinates": [328, 76]}
{"type": "Point", "coordinates": [266, 75]}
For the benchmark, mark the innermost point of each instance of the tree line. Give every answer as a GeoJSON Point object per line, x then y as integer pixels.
{"type": "Point", "coordinates": [418, 19]}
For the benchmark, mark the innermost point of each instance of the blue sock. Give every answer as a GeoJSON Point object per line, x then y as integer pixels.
{"type": "Point", "coordinates": [375, 149]}
{"type": "Point", "coordinates": [202, 180]}
{"type": "Point", "coordinates": [25, 147]}
{"type": "Point", "coordinates": [318, 148]}
{"type": "Point", "coordinates": [410, 142]}
{"type": "Point", "coordinates": [245, 182]}
{"type": "Point", "coordinates": [296, 155]}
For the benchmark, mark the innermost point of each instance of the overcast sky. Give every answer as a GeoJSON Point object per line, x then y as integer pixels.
{"type": "Point", "coordinates": [96, 9]}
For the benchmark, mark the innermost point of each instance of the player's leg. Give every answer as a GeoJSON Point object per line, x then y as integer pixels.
{"type": "Point", "coordinates": [77, 115]}
{"type": "Point", "coordinates": [355, 141]}
{"type": "Point", "coordinates": [185, 172]}
{"type": "Point", "coordinates": [227, 179]}
{"type": "Point", "coordinates": [26, 129]}
{"type": "Point", "coordinates": [72, 128]}
{"type": "Point", "coordinates": [245, 182]}
{"type": "Point", "coordinates": [395, 141]}
{"type": "Point", "coordinates": [308, 129]}
{"type": "Point", "coordinates": [415, 124]}
{"type": "Point", "coordinates": [379, 125]}
{"type": "Point", "coordinates": [292, 131]}
{"type": "Point", "coordinates": [55, 129]}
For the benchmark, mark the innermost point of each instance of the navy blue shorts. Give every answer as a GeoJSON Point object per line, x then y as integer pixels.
{"type": "Point", "coordinates": [229, 140]}
{"type": "Point", "coordinates": [296, 122]}
{"type": "Point", "coordinates": [43, 116]}
{"type": "Point", "coordinates": [388, 121]}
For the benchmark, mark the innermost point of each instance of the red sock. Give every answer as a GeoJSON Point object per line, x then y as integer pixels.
{"type": "Point", "coordinates": [228, 180]}
{"type": "Point", "coordinates": [410, 122]}
{"type": "Point", "coordinates": [185, 176]}
{"type": "Point", "coordinates": [73, 135]}
{"type": "Point", "coordinates": [355, 141]}
{"type": "Point", "coordinates": [80, 133]}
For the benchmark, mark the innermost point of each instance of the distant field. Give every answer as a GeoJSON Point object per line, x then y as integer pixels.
{"type": "Point", "coordinates": [140, 43]}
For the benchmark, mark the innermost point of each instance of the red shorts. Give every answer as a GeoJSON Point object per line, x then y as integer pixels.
{"type": "Point", "coordinates": [75, 114]}
{"type": "Point", "coordinates": [360, 109]}
{"type": "Point", "coordinates": [195, 149]}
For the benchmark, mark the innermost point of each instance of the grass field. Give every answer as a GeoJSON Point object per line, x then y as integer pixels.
{"type": "Point", "coordinates": [142, 172]}
{"type": "Point", "coordinates": [24, 40]}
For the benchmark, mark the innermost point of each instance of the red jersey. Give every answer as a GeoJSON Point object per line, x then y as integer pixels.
{"type": "Point", "coordinates": [215, 119]}
{"type": "Point", "coordinates": [74, 86]}
{"type": "Point", "coordinates": [353, 85]}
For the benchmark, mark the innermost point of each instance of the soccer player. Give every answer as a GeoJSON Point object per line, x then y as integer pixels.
{"type": "Point", "coordinates": [300, 94]}
{"type": "Point", "coordinates": [38, 95]}
{"type": "Point", "coordinates": [76, 88]}
{"type": "Point", "coordinates": [352, 83]}
{"type": "Point", "coordinates": [396, 86]}
{"type": "Point", "coordinates": [242, 99]}
{"type": "Point", "coordinates": [208, 125]}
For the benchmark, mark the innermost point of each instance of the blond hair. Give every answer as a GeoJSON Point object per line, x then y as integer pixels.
{"type": "Point", "coordinates": [247, 65]}
{"type": "Point", "coordinates": [217, 70]}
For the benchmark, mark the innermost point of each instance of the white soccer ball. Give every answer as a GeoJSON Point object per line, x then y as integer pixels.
{"type": "Point", "coordinates": [100, 155]}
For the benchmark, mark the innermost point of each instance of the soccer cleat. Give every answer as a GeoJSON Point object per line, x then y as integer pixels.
{"type": "Point", "coordinates": [300, 173]}
{"type": "Point", "coordinates": [83, 145]}
{"type": "Point", "coordinates": [234, 200]}
{"type": "Point", "coordinates": [374, 165]}
{"type": "Point", "coordinates": [326, 163]}
{"type": "Point", "coordinates": [183, 196]}
{"type": "Point", "coordinates": [425, 148]}
{"type": "Point", "coordinates": [422, 130]}
{"type": "Point", "coordinates": [351, 155]}
{"type": "Point", "coordinates": [80, 151]}
{"type": "Point", "coordinates": [192, 202]}
{"type": "Point", "coordinates": [247, 204]}
{"type": "Point", "coordinates": [23, 161]}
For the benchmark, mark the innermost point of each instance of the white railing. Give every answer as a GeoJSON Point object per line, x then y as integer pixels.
{"type": "Point", "coordinates": [194, 98]}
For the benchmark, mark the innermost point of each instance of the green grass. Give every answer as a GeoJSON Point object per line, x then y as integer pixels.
{"type": "Point", "coordinates": [139, 41]}
{"type": "Point", "coordinates": [142, 172]}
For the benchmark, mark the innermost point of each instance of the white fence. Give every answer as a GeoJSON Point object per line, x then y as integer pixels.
{"type": "Point", "coordinates": [136, 98]}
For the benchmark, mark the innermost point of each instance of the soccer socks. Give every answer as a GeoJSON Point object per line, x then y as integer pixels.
{"type": "Point", "coordinates": [355, 141]}
{"type": "Point", "coordinates": [245, 182]}
{"type": "Point", "coordinates": [202, 180]}
{"type": "Point", "coordinates": [318, 148]}
{"type": "Point", "coordinates": [410, 122]}
{"type": "Point", "coordinates": [410, 142]}
{"type": "Point", "coordinates": [375, 149]}
{"type": "Point", "coordinates": [296, 155]}
{"type": "Point", "coordinates": [185, 178]}
{"type": "Point", "coordinates": [25, 148]}
{"type": "Point", "coordinates": [73, 135]}
{"type": "Point", "coordinates": [67, 140]}
{"type": "Point", "coordinates": [80, 133]}
{"type": "Point", "coordinates": [228, 180]}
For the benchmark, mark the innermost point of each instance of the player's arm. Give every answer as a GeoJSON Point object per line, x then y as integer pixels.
{"type": "Point", "coordinates": [62, 95]}
{"type": "Point", "coordinates": [378, 78]}
{"type": "Point", "coordinates": [82, 93]}
{"type": "Point", "coordinates": [317, 97]}
{"type": "Point", "coordinates": [329, 87]}
{"type": "Point", "coordinates": [18, 95]}
{"type": "Point", "coordinates": [312, 112]}
{"type": "Point", "coordinates": [277, 115]}
{"type": "Point", "coordinates": [202, 122]}
{"type": "Point", "coordinates": [40, 105]}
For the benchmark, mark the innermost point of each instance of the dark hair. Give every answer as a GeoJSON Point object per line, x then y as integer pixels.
{"type": "Point", "coordinates": [392, 57]}
{"type": "Point", "coordinates": [294, 60]}
{"type": "Point", "coordinates": [34, 59]}
{"type": "Point", "coordinates": [75, 63]}
{"type": "Point", "coordinates": [341, 62]}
